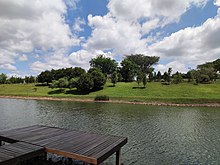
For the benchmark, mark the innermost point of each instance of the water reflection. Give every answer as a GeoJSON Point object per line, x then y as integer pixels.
{"type": "Point", "coordinates": [157, 135]}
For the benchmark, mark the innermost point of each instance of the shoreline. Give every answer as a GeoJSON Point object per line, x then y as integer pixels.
{"type": "Point", "coordinates": [112, 101]}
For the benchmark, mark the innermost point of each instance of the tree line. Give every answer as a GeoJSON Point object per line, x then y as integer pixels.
{"type": "Point", "coordinates": [136, 67]}
{"type": "Point", "coordinates": [4, 79]}
{"type": "Point", "coordinates": [101, 69]}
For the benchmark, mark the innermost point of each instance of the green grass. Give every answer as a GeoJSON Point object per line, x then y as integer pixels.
{"type": "Point", "coordinates": [154, 92]}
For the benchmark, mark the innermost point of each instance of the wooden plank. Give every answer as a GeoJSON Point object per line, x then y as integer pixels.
{"type": "Point", "coordinates": [16, 152]}
{"type": "Point", "coordinates": [72, 155]}
{"type": "Point", "coordinates": [92, 144]}
{"type": "Point", "coordinates": [110, 150]}
{"type": "Point", "coordinates": [89, 147]}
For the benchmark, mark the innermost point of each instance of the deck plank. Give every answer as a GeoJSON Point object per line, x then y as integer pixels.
{"type": "Point", "coordinates": [16, 152]}
{"type": "Point", "coordinates": [88, 147]}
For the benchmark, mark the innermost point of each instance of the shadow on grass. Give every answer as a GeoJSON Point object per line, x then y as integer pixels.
{"type": "Point", "coordinates": [138, 87]}
{"type": "Point", "coordinates": [58, 91]}
{"type": "Point", "coordinates": [72, 91]}
{"type": "Point", "coordinates": [41, 85]}
{"type": "Point", "coordinates": [75, 92]}
{"type": "Point", "coordinates": [111, 86]}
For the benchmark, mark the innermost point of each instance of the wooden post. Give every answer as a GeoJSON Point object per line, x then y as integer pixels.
{"type": "Point", "coordinates": [118, 157]}
{"type": "Point", "coordinates": [45, 156]}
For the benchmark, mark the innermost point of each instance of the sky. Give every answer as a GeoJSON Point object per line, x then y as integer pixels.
{"type": "Point", "coordinates": [38, 35]}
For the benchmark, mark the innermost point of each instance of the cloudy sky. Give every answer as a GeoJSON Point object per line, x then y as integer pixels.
{"type": "Point", "coordinates": [37, 35]}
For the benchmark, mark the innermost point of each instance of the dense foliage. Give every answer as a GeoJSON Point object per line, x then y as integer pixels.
{"type": "Point", "coordinates": [106, 65]}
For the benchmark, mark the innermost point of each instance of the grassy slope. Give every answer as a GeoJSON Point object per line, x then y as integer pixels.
{"type": "Point", "coordinates": [176, 93]}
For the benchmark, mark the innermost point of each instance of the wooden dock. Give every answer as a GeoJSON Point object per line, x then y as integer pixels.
{"type": "Point", "coordinates": [88, 147]}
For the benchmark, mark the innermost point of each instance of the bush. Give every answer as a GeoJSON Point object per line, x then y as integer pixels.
{"type": "Point", "coordinates": [85, 83]}
{"type": "Point", "coordinates": [177, 78]}
{"type": "Point", "coordinates": [73, 82]}
{"type": "Point", "coordinates": [204, 78]}
{"type": "Point", "coordinates": [98, 78]}
{"type": "Point", "coordinates": [114, 78]}
{"type": "Point", "coordinates": [102, 98]}
{"type": "Point", "coordinates": [165, 83]}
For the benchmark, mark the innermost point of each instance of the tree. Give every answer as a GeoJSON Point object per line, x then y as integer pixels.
{"type": "Point", "coordinates": [155, 77]}
{"type": "Point", "coordinates": [99, 79]}
{"type": "Point", "coordinates": [143, 62]}
{"type": "Point", "coordinates": [217, 65]}
{"type": "Point", "coordinates": [54, 84]}
{"type": "Point", "coordinates": [193, 76]}
{"type": "Point", "coordinates": [77, 72]}
{"type": "Point", "coordinates": [166, 76]}
{"type": "Point", "coordinates": [128, 70]}
{"type": "Point", "coordinates": [204, 78]}
{"type": "Point", "coordinates": [106, 65]}
{"type": "Point", "coordinates": [45, 76]}
{"type": "Point", "coordinates": [73, 82]}
{"type": "Point", "coordinates": [151, 76]}
{"type": "Point", "coordinates": [29, 79]}
{"type": "Point", "coordinates": [144, 80]}
{"type": "Point", "coordinates": [159, 76]}
{"type": "Point", "coordinates": [85, 83]}
{"type": "Point", "coordinates": [3, 78]}
{"type": "Point", "coordinates": [73, 72]}
{"type": "Point", "coordinates": [177, 78]}
{"type": "Point", "coordinates": [139, 78]}
{"type": "Point", "coordinates": [210, 69]}
{"type": "Point", "coordinates": [169, 75]}
{"type": "Point", "coordinates": [61, 83]}
{"type": "Point", "coordinates": [114, 78]}
{"type": "Point", "coordinates": [15, 80]}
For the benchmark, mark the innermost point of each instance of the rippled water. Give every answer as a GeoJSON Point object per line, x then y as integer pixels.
{"type": "Point", "coordinates": [156, 135]}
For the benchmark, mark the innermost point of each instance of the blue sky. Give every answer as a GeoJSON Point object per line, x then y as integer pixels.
{"type": "Point", "coordinates": [41, 35]}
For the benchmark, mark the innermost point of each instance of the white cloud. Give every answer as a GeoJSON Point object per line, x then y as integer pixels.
{"type": "Point", "coordinates": [54, 60]}
{"type": "Point", "coordinates": [77, 27]}
{"type": "Point", "coordinates": [121, 30]}
{"type": "Point", "coordinates": [7, 67]}
{"type": "Point", "coordinates": [175, 65]}
{"type": "Point", "coordinates": [26, 25]}
{"type": "Point", "coordinates": [81, 58]}
{"type": "Point", "coordinates": [150, 25]}
{"type": "Point", "coordinates": [122, 37]}
{"type": "Point", "coordinates": [23, 57]}
{"type": "Point", "coordinates": [169, 9]}
{"type": "Point", "coordinates": [190, 46]}
{"type": "Point", "coordinates": [29, 25]}
{"type": "Point", "coordinates": [217, 2]}
{"type": "Point", "coordinates": [71, 3]}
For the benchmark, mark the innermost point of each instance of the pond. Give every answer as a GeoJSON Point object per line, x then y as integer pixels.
{"type": "Point", "coordinates": [156, 134]}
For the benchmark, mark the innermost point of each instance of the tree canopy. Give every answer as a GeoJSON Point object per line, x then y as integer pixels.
{"type": "Point", "coordinates": [106, 65]}
{"type": "Point", "coordinates": [143, 62]}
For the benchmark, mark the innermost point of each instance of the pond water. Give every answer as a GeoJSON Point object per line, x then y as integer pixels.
{"type": "Point", "coordinates": [156, 134]}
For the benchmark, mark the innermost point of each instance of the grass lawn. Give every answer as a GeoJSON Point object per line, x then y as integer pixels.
{"type": "Point", "coordinates": [154, 92]}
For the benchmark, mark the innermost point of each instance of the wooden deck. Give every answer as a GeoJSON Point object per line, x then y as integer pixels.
{"type": "Point", "coordinates": [88, 147]}
{"type": "Point", "coordinates": [16, 152]}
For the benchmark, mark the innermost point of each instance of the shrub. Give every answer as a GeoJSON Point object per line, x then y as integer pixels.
{"type": "Point", "coordinates": [73, 82]}
{"type": "Point", "coordinates": [114, 78]}
{"type": "Point", "coordinates": [102, 98]}
{"type": "Point", "coordinates": [99, 79]}
{"type": "Point", "coordinates": [177, 78]}
{"type": "Point", "coordinates": [85, 83]}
